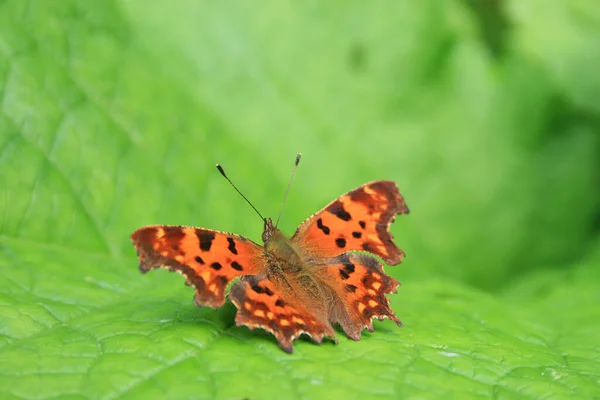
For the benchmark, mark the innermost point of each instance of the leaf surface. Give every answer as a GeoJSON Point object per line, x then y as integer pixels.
{"type": "Point", "coordinates": [113, 115]}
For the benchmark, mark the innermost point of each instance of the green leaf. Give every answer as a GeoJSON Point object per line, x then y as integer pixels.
{"type": "Point", "coordinates": [113, 115]}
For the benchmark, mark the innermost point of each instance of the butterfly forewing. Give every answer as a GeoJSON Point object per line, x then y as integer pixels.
{"type": "Point", "coordinates": [208, 259]}
{"type": "Point", "coordinates": [356, 221]}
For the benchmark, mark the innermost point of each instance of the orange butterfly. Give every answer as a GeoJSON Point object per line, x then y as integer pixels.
{"type": "Point", "coordinates": [292, 286]}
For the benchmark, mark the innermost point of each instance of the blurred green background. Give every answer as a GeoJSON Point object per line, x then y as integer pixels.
{"type": "Point", "coordinates": [486, 113]}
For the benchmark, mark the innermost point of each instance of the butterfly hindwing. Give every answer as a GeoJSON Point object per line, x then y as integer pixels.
{"type": "Point", "coordinates": [356, 221]}
{"type": "Point", "coordinates": [361, 284]}
{"type": "Point", "coordinates": [208, 259]}
{"type": "Point", "coordinates": [261, 305]}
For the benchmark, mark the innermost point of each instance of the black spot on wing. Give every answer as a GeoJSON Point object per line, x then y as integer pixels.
{"type": "Point", "coordinates": [259, 289]}
{"type": "Point", "coordinates": [322, 227]}
{"type": "Point", "coordinates": [205, 238]}
{"type": "Point", "coordinates": [337, 209]}
{"type": "Point", "coordinates": [231, 246]}
{"type": "Point", "coordinates": [356, 235]}
{"type": "Point", "coordinates": [340, 242]}
{"type": "Point", "coordinates": [343, 274]}
{"type": "Point", "coordinates": [199, 260]}
{"type": "Point", "coordinates": [235, 265]}
{"type": "Point", "coordinates": [349, 267]}
{"type": "Point", "coordinates": [280, 303]}
{"type": "Point", "coordinates": [216, 266]}
{"type": "Point", "coordinates": [351, 288]}
{"type": "Point", "coordinates": [362, 224]}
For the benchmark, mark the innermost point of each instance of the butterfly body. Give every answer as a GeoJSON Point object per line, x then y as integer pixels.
{"type": "Point", "coordinates": [280, 252]}
{"type": "Point", "coordinates": [291, 286]}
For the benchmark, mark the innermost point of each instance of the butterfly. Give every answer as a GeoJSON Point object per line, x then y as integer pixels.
{"type": "Point", "coordinates": [324, 275]}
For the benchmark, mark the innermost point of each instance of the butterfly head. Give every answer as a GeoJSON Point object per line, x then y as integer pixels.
{"type": "Point", "coordinates": [269, 230]}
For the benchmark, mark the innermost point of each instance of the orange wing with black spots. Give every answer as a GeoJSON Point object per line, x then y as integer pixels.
{"type": "Point", "coordinates": [261, 305]}
{"type": "Point", "coordinates": [361, 283]}
{"type": "Point", "coordinates": [356, 221]}
{"type": "Point", "coordinates": [208, 259]}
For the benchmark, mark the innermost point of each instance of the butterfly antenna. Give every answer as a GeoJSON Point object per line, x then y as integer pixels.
{"type": "Point", "coordinates": [288, 187]}
{"type": "Point", "coordinates": [238, 190]}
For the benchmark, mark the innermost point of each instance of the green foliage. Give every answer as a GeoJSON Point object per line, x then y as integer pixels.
{"type": "Point", "coordinates": [114, 113]}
